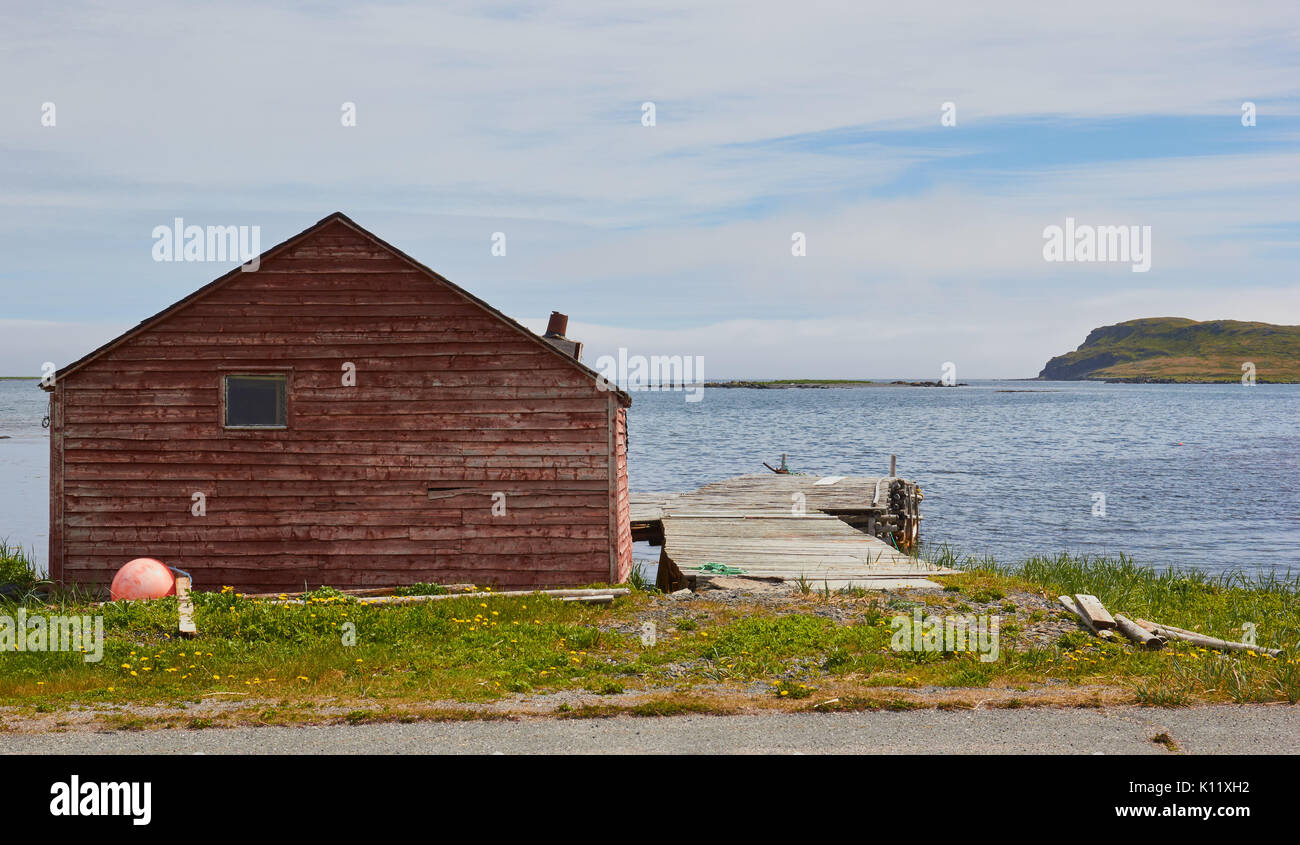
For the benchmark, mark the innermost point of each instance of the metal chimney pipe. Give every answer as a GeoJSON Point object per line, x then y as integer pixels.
{"type": "Point", "coordinates": [558, 325]}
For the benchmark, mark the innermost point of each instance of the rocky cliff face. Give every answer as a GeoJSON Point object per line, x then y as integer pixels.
{"type": "Point", "coordinates": [1074, 366]}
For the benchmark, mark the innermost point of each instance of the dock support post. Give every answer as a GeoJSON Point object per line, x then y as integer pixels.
{"type": "Point", "coordinates": [893, 466]}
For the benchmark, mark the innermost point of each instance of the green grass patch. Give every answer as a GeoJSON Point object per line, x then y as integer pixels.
{"type": "Point", "coordinates": [470, 649]}
{"type": "Point", "coordinates": [16, 569]}
{"type": "Point", "coordinates": [474, 648]}
{"type": "Point", "coordinates": [420, 589]}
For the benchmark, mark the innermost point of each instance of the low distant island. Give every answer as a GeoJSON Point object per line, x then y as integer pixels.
{"type": "Point", "coordinates": [787, 384]}
{"type": "Point", "coordinates": [1178, 350]}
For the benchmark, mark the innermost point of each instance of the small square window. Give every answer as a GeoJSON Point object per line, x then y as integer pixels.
{"type": "Point", "coordinates": [257, 401]}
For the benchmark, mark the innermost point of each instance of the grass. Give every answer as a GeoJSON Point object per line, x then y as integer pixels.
{"type": "Point", "coordinates": [1163, 738]}
{"type": "Point", "coordinates": [420, 589]}
{"type": "Point", "coordinates": [16, 568]}
{"type": "Point", "coordinates": [638, 580]}
{"type": "Point", "coordinates": [471, 656]}
{"type": "Point", "coordinates": [469, 649]}
{"type": "Point", "coordinates": [1219, 606]}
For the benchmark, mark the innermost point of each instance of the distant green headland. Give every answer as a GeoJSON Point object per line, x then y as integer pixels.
{"type": "Point", "coordinates": [1175, 349]}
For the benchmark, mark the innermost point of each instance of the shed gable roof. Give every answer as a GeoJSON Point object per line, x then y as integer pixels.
{"type": "Point", "coordinates": [290, 243]}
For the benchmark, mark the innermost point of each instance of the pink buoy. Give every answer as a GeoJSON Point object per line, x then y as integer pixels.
{"type": "Point", "coordinates": [143, 578]}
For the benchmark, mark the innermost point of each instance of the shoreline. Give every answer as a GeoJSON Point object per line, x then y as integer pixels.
{"type": "Point", "coordinates": [822, 384]}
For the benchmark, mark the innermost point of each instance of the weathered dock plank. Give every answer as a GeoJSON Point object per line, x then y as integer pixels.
{"type": "Point", "coordinates": [649, 507]}
{"type": "Point", "coordinates": [791, 527]}
{"type": "Point", "coordinates": [785, 494]}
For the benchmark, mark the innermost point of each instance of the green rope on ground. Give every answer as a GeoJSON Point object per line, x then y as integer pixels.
{"type": "Point", "coordinates": [720, 569]}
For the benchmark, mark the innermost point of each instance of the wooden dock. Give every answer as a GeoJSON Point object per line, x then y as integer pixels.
{"type": "Point", "coordinates": [832, 531]}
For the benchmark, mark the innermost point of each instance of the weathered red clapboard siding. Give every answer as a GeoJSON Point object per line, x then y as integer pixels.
{"type": "Point", "coordinates": [623, 503]}
{"type": "Point", "coordinates": [387, 482]}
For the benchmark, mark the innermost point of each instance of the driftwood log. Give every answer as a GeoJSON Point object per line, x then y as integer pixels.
{"type": "Point", "coordinates": [359, 592]}
{"type": "Point", "coordinates": [603, 598]}
{"type": "Point", "coordinates": [595, 595]}
{"type": "Point", "coordinates": [1096, 613]}
{"type": "Point", "coordinates": [1201, 640]}
{"type": "Point", "coordinates": [1071, 605]}
{"type": "Point", "coordinates": [1138, 634]}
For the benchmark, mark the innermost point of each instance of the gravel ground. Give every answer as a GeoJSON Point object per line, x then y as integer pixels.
{"type": "Point", "coordinates": [1027, 619]}
{"type": "Point", "coordinates": [1257, 729]}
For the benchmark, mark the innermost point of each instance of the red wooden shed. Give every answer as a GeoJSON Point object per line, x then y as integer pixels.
{"type": "Point", "coordinates": [342, 415]}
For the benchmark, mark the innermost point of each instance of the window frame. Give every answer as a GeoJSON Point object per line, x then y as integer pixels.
{"type": "Point", "coordinates": [269, 374]}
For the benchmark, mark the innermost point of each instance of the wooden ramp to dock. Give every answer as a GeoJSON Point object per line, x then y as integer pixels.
{"type": "Point", "coordinates": [793, 527]}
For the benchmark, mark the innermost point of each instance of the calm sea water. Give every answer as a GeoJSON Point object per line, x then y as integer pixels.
{"type": "Point", "coordinates": [1193, 475]}
{"type": "Point", "coordinates": [24, 468]}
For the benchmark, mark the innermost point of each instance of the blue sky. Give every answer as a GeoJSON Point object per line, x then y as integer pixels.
{"type": "Point", "coordinates": [924, 240]}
